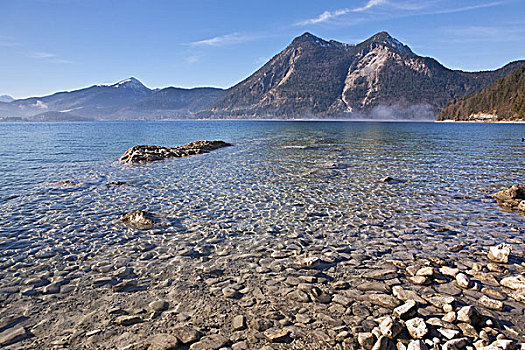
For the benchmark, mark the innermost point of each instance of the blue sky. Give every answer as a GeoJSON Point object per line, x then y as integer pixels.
{"type": "Point", "coordinates": [54, 45]}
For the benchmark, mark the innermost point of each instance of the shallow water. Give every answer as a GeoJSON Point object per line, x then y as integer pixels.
{"type": "Point", "coordinates": [314, 175]}
{"type": "Point", "coordinates": [280, 181]}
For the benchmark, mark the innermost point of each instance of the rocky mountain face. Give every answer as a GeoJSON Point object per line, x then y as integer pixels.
{"type": "Point", "coordinates": [504, 100]}
{"type": "Point", "coordinates": [378, 78]}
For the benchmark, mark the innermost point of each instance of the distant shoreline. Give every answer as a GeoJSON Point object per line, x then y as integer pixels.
{"type": "Point", "coordinates": [482, 121]}
{"type": "Point", "coordinates": [274, 120]}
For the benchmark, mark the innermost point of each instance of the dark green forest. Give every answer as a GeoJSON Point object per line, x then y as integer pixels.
{"type": "Point", "coordinates": [505, 98]}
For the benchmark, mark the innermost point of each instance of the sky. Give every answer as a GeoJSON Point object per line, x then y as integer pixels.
{"type": "Point", "coordinates": [56, 45]}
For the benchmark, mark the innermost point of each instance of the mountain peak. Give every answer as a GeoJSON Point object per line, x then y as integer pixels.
{"type": "Point", "coordinates": [129, 82]}
{"type": "Point", "coordinates": [380, 37]}
{"type": "Point", "coordinates": [6, 98]}
{"type": "Point", "coordinates": [386, 39]}
{"type": "Point", "coordinates": [309, 38]}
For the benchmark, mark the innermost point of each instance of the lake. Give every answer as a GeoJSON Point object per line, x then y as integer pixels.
{"type": "Point", "coordinates": [296, 188]}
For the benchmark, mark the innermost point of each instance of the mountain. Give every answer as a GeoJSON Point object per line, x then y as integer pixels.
{"type": "Point", "coordinates": [127, 99]}
{"type": "Point", "coordinates": [378, 78]}
{"type": "Point", "coordinates": [172, 103]}
{"type": "Point", "coordinates": [6, 98]}
{"type": "Point", "coordinates": [94, 97]}
{"type": "Point", "coordinates": [504, 100]}
{"type": "Point", "coordinates": [83, 103]}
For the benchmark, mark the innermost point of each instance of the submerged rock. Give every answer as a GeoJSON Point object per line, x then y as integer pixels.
{"type": "Point", "coordinates": [138, 218]}
{"type": "Point", "coordinates": [150, 153]}
{"type": "Point", "coordinates": [512, 198]}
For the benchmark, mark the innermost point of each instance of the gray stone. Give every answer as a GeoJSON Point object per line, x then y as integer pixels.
{"type": "Point", "coordinates": [128, 320]}
{"type": "Point", "coordinates": [383, 300]}
{"type": "Point", "coordinates": [239, 323]}
{"type": "Point", "coordinates": [13, 335]}
{"type": "Point", "coordinates": [338, 298]}
{"type": "Point", "coordinates": [406, 311]}
{"type": "Point", "coordinates": [390, 327]}
{"type": "Point", "coordinates": [158, 305]}
{"type": "Point", "coordinates": [417, 345]}
{"type": "Point", "coordinates": [489, 303]}
{"type": "Point", "coordinates": [420, 280]}
{"type": "Point", "coordinates": [384, 343]}
{"type": "Point", "coordinates": [449, 333]}
{"type": "Point", "coordinates": [449, 271]}
{"type": "Point", "coordinates": [514, 282]}
{"type": "Point", "coordinates": [186, 335]}
{"type": "Point", "coordinates": [469, 314]}
{"type": "Point", "coordinates": [366, 340]}
{"type": "Point", "coordinates": [425, 271]}
{"type": "Point", "coordinates": [405, 295]}
{"type": "Point", "coordinates": [462, 280]}
{"type": "Point", "coordinates": [417, 328]}
{"type": "Point", "coordinates": [276, 335]}
{"type": "Point", "coordinates": [455, 344]}
{"type": "Point", "coordinates": [162, 342]}
{"type": "Point", "coordinates": [210, 342]}
{"type": "Point", "coordinates": [242, 345]}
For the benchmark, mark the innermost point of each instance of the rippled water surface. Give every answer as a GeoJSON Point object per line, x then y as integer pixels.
{"type": "Point", "coordinates": [241, 216]}
{"type": "Point", "coordinates": [319, 176]}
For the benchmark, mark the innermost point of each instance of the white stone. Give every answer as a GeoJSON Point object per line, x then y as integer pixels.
{"type": "Point", "coordinates": [417, 328]}
{"type": "Point", "coordinates": [499, 253]}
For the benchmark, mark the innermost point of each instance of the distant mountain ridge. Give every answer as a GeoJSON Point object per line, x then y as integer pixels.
{"type": "Point", "coordinates": [379, 78]}
{"type": "Point", "coordinates": [6, 98]}
{"type": "Point", "coordinates": [127, 99]}
{"type": "Point", "coordinates": [504, 100]}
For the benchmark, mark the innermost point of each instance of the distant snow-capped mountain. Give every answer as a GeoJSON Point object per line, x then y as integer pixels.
{"type": "Point", "coordinates": [123, 100]}
{"type": "Point", "coordinates": [6, 98]}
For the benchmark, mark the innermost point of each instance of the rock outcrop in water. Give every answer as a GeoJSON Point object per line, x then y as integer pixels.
{"type": "Point", "coordinates": [138, 218]}
{"type": "Point", "coordinates": [149, 153]}
{"type": "Point", "coordinates": [512, 198]}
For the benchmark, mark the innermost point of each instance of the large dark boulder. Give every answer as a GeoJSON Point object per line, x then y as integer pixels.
{"type": "Point", "coordinates": [149, 153]}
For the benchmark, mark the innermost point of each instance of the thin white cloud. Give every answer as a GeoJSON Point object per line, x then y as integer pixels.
{"type": "Point", "coordinates": [396, 9]}
{"type": "Point", "coordinates": [43, 55]}
{"type": "Point", "coordinates": [48, 57]}
{"type": "Point", "coordinates": [228, 39]}
{"type": "Point", "coordinates": [330, 15]}
{"type": "Point", "coordinates": [325, 16]}
{"type": "Point", "coordinates": [370, 4]}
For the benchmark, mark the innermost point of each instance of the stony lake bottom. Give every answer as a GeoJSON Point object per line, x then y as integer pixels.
{"type": "Point", "coordinates": [235, 224]}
